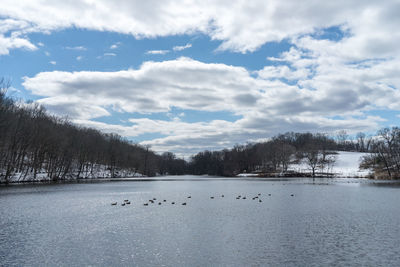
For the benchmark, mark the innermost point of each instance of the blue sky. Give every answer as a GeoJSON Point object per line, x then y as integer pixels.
{"type": "Point", "coordinates": [206, 76]}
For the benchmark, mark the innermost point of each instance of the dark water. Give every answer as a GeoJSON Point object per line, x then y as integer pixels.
{"type": "Point", "coordinates": [337, 223]}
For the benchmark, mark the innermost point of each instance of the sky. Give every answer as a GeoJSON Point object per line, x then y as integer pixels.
{"type": "Point", "coordinates": [187, 76]}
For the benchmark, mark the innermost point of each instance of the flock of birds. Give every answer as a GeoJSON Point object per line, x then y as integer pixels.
{"type": "Point", "coordinates": [154, 200]}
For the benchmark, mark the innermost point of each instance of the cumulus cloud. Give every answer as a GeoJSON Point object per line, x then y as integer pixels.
{"type": "Point", "coordinates": [265, 104]}
{"type": "Point", "coordinates": [13, 36]}
{"type": "Point", "coordinates": [9, 43]}
{"type": "Point", "coordinates": [242, 26]}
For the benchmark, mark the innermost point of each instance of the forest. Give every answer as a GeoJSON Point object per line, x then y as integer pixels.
{"type": "Point", "coordinates": [37, 146]}
{"type": "Point", "coordinates": [34, 143]}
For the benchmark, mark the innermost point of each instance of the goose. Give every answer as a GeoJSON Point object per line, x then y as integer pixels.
{"type": "Point", "coordinates": [292, 195]}
{"type": "Point", "coordinates": [244, 198]}
{"type": "Point", "coordinates": [259, 200]}
{"type": "Point", "coordinates": [122, 204]}
{"type": "Point", "coordinates": [145, 204]}
{"type": "Point", "coordinates": [184, 203]}
{"type": "Point", "coordinates": [269, 194]}
{"type": "Point", "coordinates": [114, 203]}
{"type": "Point", "coordinates": [159, 203]}
{"type": "Point", "coordinates": [172, 203]}
{"type": "Point", "coordinates": [164, 200]}
{"type": "Point", "coordinates": [212, 197]}
{"type": "Point", "coordinates": [154, 198]}
{"type": "Point", "coordinates": [222, 195]}
{"type": "Point", "coordinates": [128, 202]}
{"type": "Point", "coordinates": [189, 196]}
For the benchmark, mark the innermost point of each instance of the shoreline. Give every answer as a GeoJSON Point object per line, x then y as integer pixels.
{"type": "Point", "coordinates": [182, 178]}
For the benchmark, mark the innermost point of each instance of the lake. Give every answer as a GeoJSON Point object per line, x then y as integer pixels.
{"type": "Point", "coordinates": [325, 223]}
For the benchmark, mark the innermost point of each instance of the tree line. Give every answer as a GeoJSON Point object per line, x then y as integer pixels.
{"type": "Point", "coordinates": [270, 157]}
{"type": "Point", "coordinates": [33, 143]}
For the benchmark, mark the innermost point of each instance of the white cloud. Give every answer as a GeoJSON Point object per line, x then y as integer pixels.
{"type": "Point", "coordinates": [265, 104]}
{"type": "Point", "coordinates": [181, 47]}
{"type": "Point", "coordinates": [157, 52]}
{"type": "Point", "coordinates": [78, 48]}
{"type": "Point", "coordinates": [8, 43]}
{"type": "Point", "coordinates": [47, 53]}
{"type": "Point", "coordinates": [115, 46]}
{"type": "Point", "coordinates": [106, 55]}
{"type": "Point", "coordinates": [242, 26]}
{"type": "Point", "coordinates": [13, 36]}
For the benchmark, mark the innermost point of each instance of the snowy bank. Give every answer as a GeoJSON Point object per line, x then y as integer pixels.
{"type": "Point", "coordinates": [347, 164]}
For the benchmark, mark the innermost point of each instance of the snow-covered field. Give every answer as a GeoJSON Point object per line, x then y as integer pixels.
{"type": "Point", "coordinates": [346, 165]}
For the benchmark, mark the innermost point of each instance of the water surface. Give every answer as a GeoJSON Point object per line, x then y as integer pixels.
{"type": "Point", "coordinates": [329, 222]}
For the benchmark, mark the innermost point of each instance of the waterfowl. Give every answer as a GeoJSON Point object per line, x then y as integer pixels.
{"type": "Point", "coordinates": [145, 204]}
{"type": "Point", "coordinates": [184, 203]}
{"type": "Point", "coordinates": [222, 195]}
{"type": "Point", "coordinates": [172, 203]}
{"type": "Point", "coordinates": [154, 198]}
{"type": "Point", "coordinates": [159, 203]}
{"type": "Point", "coordinates": [212, 197]}
{"type": "Point", "coordinates": [128, 202]}
{"type": "Point", "coordinates": [259, 200]}
{"type": "Point", "coordinates": [259, 194]}
{"type": "Point", "coordinates": [164, 200]}
{"type": "Point", "coordinates": [269, 194]}
{"type": "Point", "coordinates": [122, 204]}
{"type": "Point", "coordinates": [292, 195]}
{"type": "Point", "coordinates": [243, 197]}
{"type": "Point", "coordinates": [189, 196]}
{"type": "Point", "coordinates": [114, 203]}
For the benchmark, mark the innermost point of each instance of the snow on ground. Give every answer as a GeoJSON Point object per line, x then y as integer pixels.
{"type": "Point", "coordinates": [100, 171]}
{"type": "Point", "coordinates": [346, 165]}
{"type": "Point", "coordinates": [247, 174]}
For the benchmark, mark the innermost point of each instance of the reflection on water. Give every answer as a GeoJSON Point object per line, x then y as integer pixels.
{"type": "Point", "coordinates": [326, 222]}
